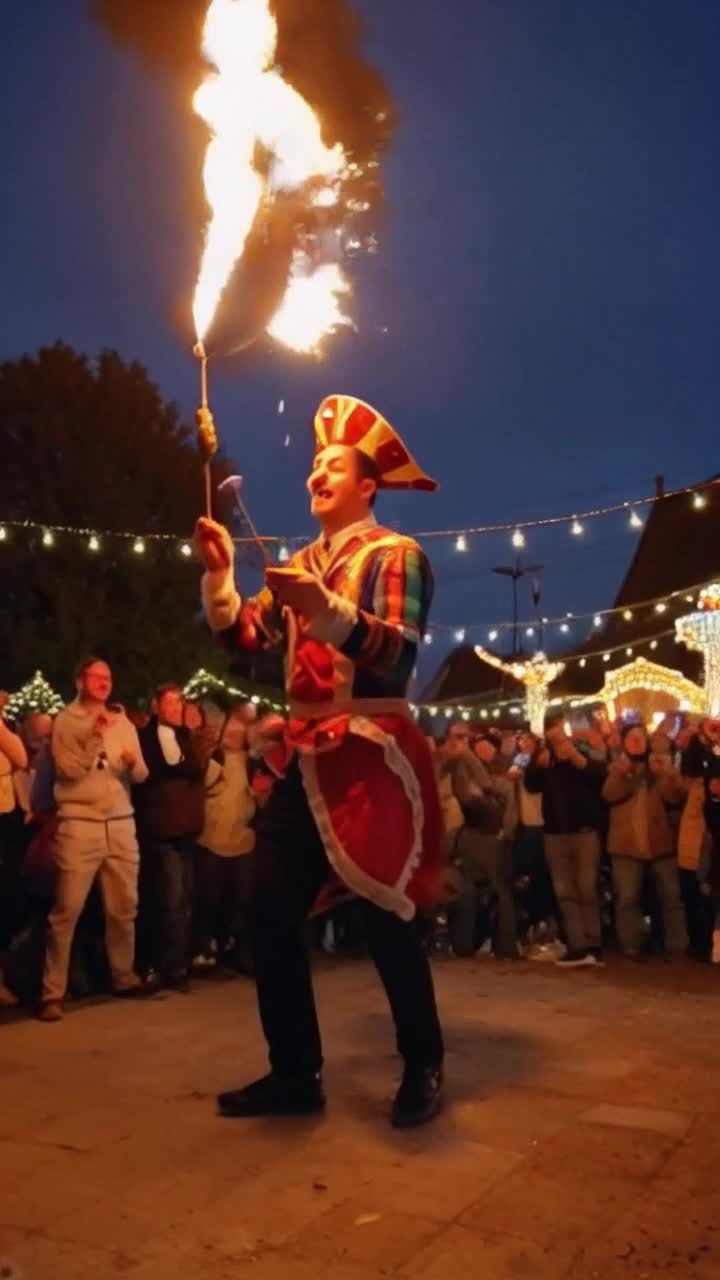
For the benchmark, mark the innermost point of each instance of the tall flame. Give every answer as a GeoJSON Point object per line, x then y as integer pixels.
{"type": "Point", "coordinates": [245, 102]}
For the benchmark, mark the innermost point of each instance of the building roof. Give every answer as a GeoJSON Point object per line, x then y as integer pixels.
{"type": "Point", "coordinates": [679, 550]}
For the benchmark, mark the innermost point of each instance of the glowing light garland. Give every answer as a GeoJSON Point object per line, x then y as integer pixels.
{"type": "Point", "coordinates": [536, 674]}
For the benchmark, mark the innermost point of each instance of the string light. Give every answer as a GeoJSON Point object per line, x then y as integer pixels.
{"type": "Point", "coordinates": [461, 542]}
{"type": "Point", "coordinates": [564, 628]}
{"type": "Point", "coordinates": [577, 529]}
{"type": "Point", "coordinates": [93, 542]}
{"type": "Point", "coordinates": [699, 501]}
{"type": "Point", "coordinates": [660, 607]}
{"type": "Point", "coordinates": [139, 547]}
{"type": "Point", "coordinates": [628, 615]}
{"type": "Point", "coordinates": [3, 533]}
{"type": "Point", "coordinates": [492, 635]}
{"type": "Point", "coordinates": [628, 653]}
{"type": "Point", "coordinates": [428, 638]}
{"type": "Point", "coordinates": [48, 538]}
{"type": "Point", "coordinates": [185, 550]}
{"type": "Point", "coordinates": [283, 554]}
{"type": "Point", "coordinates": [636, 521]}
{"type": "Point", "coordinates": [583, 662]}
{"type": "Point", "coordinates": [518, 539]}
{"type": "Point", "coordinates": [529, 631]}
{"type": "Point", "coordinates": [606, 657]}
{"type": "Point", "coordinates": [653, 644]}
{"type": "Point", "coordinates": [597, 620]}
{"type": "Point", "coordinates": [460, 635]}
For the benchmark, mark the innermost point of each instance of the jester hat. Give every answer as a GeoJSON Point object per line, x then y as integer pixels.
{"type": "Point", "coordinates": [345, 420]}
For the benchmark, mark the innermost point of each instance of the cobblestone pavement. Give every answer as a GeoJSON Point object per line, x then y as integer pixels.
{"type": "Point", "coordinates": [581, 1137]}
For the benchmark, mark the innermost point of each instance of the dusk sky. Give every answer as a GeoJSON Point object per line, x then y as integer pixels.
{"type": "Point", "coordinates": [540, 324]}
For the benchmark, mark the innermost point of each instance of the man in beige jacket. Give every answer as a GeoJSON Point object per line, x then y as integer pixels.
{"type": "Point", "coordinates": [96, 754]}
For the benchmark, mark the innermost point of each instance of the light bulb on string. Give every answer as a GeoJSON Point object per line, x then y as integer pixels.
{"type": "Point", "coordinates": [606, 657]}
{"type": "Point", "coordinates": [627, 615]}
{"type": "Point", "coordinates": [428, 638]}
{"type": "Point", "coordinates": [461, 542]}
{"type": "Point", "coordinates": [576, 528]}
{"type": "Point", "coordinates": [564, 628]}
{"type": "Point", "coordinates": [628, 653]}
{"type": "Point", "coordinates": [518, 539]}
{"type": "Point", "coordinates": [597, 620]}
{"type": "Point", "coordinates": [583, 662]}
{"type": "Point", "coordinates": [283, 554]}
{"type": "Point", "coordinates": [139, 547]}
{"type": "Point", "coordinates": [185, 550]}
{"type": "Point", "coordinates": [653, 644]}
{"type": "Point", "coordinates": [3, 533]}
{"type": "Point", "coordinates": [93, 542]}
{"type": "Point", "coordinates": [492, 635]}
{"type": "Point", "coordinates": [699, 501]}
{"type": "Point", "coordinates": [635, 520]}
{"type": "Point", "coordinates": [660, 607]}
{"type": "Point", "coordinates": [529, 631]}
{"type": "Point", "coordinates": [48, 538]}
{"type": "Point", "coordinates": [460, 635]}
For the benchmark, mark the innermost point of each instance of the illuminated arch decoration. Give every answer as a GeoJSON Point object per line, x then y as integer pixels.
{"type": "Point", "coordinates": [536, 674]}
{"type": "Point", "coordinates": [651, 677]}
{"type": "Point", "coordinates": [700, 631]}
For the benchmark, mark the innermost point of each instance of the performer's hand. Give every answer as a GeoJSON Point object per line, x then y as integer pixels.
{"type": "Point", "coordinates": [213, 544]}
{"type": "Point", "coordinates": [301, 591]}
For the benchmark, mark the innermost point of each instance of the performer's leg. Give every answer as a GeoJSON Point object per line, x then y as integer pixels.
{"type": "Point", "coordinates": [287, 878]}
{"type": "Point", "coordinates": [289, 867]}
{"type": "Point", "coordinates": [404, 969]}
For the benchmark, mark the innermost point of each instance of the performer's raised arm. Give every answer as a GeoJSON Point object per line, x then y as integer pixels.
{"type": "Point", "coordinates": [254, 623]}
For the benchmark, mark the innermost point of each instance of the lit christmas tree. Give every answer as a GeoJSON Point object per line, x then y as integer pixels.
{"type": "Point", "coordinates": [204, 686]}
{"type": "Point", "coordinates": [36, 695]}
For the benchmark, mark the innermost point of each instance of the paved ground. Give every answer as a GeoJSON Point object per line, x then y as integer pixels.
{"type": "Point", "coordinates": [581, 1138]}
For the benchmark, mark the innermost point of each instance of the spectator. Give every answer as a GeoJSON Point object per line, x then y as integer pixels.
{"type": "Point", "coordinates": [481, 848]}
{"type": "Point", "coordinates": [529, 852]}
{"type": "Point", "coordinates": [638, 787]}
{"type": "Point", "coordinates": [701, 762]}
{"type": "Point", "coordinates": [13, 759]}
{"type": "Point", "coordinates": [97, 756]}
{"type": "Point", "coordinates": [224, 861]}
{"type": "Point", "coordinates": [570, 784]}
{"type": "Point", "coordinates": [170, 809]}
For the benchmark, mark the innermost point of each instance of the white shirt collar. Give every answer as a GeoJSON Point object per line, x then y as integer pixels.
{"type": "Point", "coordinates": [338, 540]}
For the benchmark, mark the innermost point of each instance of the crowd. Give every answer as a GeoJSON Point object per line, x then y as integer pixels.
{"type": "Point", "coordinates": [126, 844]}
{"type": "Point", "coordinates": [590, 838]}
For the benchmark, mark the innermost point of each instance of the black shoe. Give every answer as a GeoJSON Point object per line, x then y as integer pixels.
{"type": "Point", "coordinates": [274, 1096]}
{"type": "Point", "coordinates": [141, 990]}
{"type": "Point", "coordinates": [419, 1097]}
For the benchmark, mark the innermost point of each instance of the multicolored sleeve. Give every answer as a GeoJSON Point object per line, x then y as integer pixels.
{"type": "Point", "coordinates": [388, 632]}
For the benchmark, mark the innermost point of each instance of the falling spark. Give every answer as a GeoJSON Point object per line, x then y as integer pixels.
{"type": "Point", "coordinates": [281, 406]}
{"type": "Point", "coordinates": [287, 442]}
{"type": "Point", "coordinates": [249, 107]}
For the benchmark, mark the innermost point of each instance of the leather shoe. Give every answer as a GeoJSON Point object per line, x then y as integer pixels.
{"type": "Point", "coordinates": [139, 991]}
{"type": "Point", "coordinates": [274, 1096]}
{"type": "Point", "coordinates": [419, 1097]}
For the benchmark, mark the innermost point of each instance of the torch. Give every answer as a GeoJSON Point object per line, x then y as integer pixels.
{"type": "Point", "coordinates": [207, 436]}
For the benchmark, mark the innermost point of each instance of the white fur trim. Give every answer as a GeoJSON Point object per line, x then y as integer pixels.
{"type": "Point", "coordinates": [221, 601]}
{"type": "Point", "coordinates": [335, 622]}
{"type": "Point", "coordinates": [389, 897]}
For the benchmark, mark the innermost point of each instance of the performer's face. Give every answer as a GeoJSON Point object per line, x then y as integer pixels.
{"type": "Point", "coordinates": [335, 484]}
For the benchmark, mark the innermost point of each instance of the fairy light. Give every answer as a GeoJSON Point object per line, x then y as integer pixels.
{"type": "Point", "coordinates": [583, 662]}
{"type": "Point", "coordinates": [428, 638]}
{"type": "Point", "coordinates": [628, 653]}
{"type": "Point", "coordinates": [653, 644]}
{"type": "Point", "coordinates": [564, 628]}
{"type": "Point", "coordinates": [635, 521]}
{"type": "Point", "coordinates": [3, 533]}
{"type": "Point", "coordinates": [185, 550]}
{"type": "Point", "coordinates": [699, 501]}
{"type": "Point", "coordinates": [700, 632]}
{"type": "Point", "coordinates": [576, 528]}
{"type": "Point", "coordinates": [492, 635]}
{"type": "Point", "coordinates": [529, 631]}
{"type": "Point", "coordinates": [461, 542]}
{"type": "Point", "coordinates": [48, 538]}
{"type": "Point", "coordinates": [283, 554]}
{"type": "Point", "coordinates": [139, 547]}
{"type": "Point", "coordinates": [642, 674]}
{"type": "Point", "coordinates": [661, 607]}
{"type": "Point", "coordinates": [606, 657]}
{"type": "Point", "coordinates": [460, 635]}
{"type": "Point", "coordinates": [597, 620]}
{"type": "Point", "coordinates": [93, 542]}
{"type": "Point", "coordinates": [518, 539]}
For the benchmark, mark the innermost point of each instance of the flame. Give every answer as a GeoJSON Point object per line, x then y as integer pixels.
{"type": "Point", "coordinates": [245, 101]}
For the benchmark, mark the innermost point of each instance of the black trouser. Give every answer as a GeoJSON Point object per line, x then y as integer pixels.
{"type": "Point", "coordinates": [290, 868]}
{"type": "Point", "coordinates": [222, 895]}
{"type": "Point", "coordinates": [168, 885]}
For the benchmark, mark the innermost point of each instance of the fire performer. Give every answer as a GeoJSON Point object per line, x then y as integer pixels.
{"type": "Point", "coordinates": [357, 799]}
